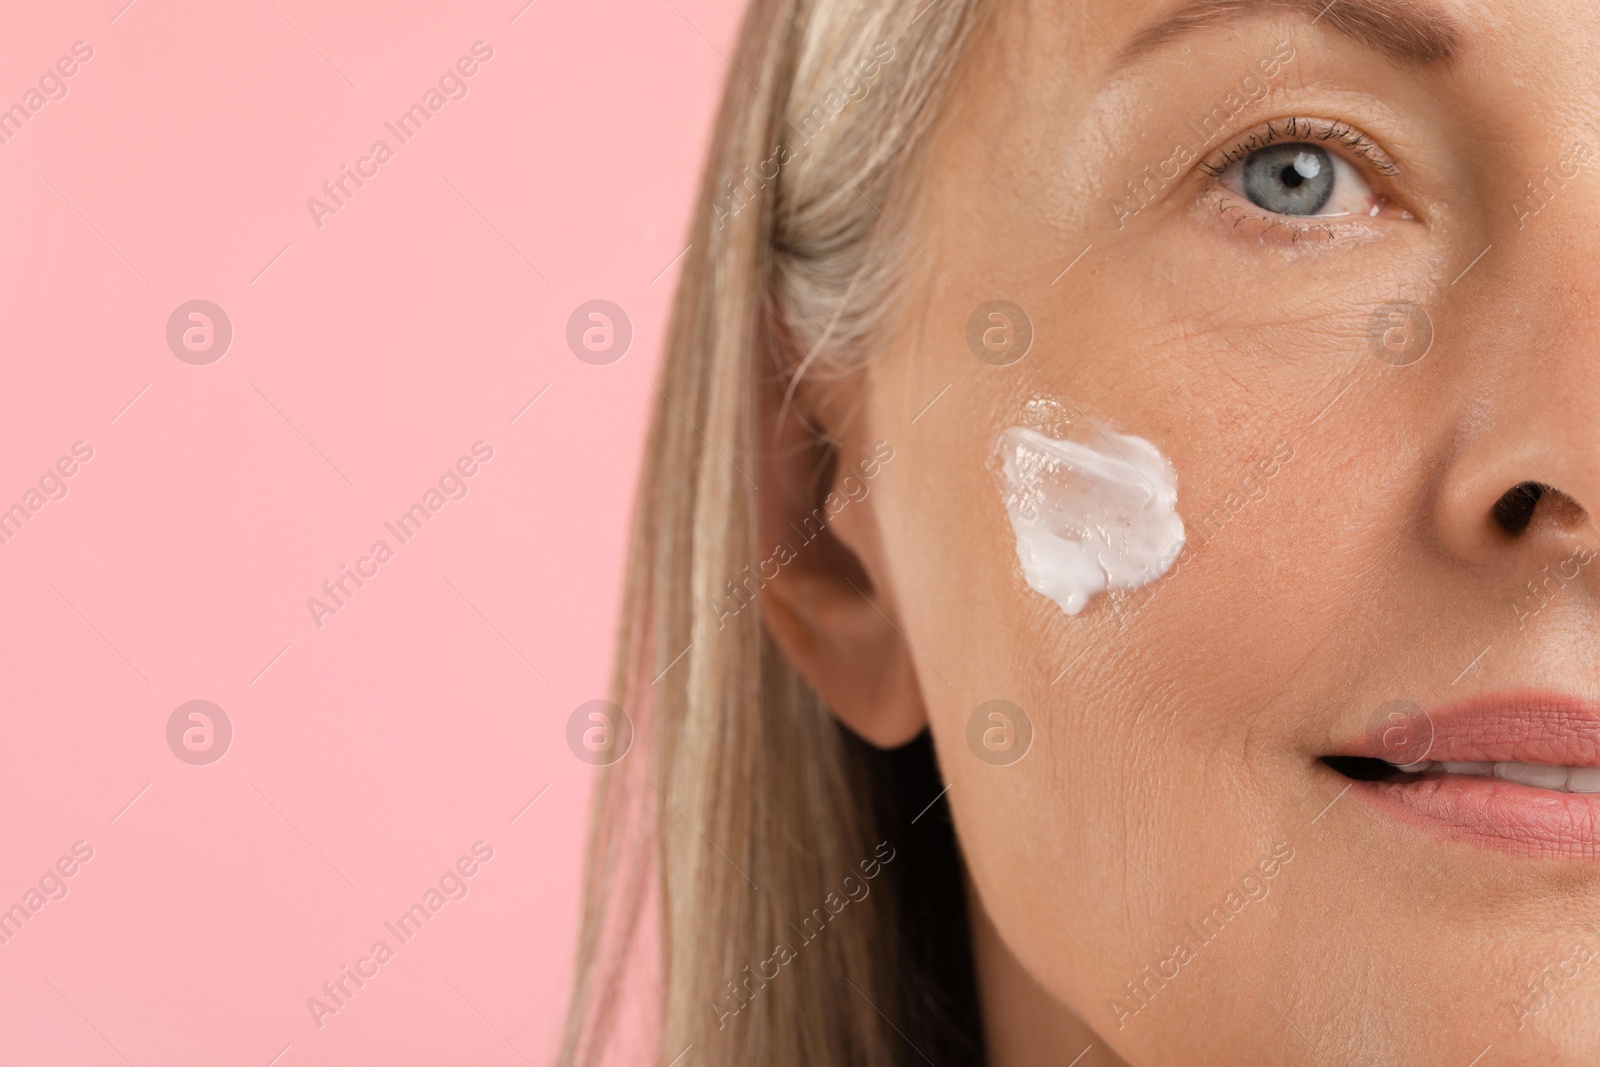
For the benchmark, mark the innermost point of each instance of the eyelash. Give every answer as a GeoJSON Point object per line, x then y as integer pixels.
{"type": "Point", "coordinates": [1297, 129]}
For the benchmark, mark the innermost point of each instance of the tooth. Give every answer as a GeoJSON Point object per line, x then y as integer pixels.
{"type": "Point", "coordinates": [1414, 768]}
{"type": "Point", "coordinates": [1476, 769]}
{"type": "Point", "coordinates": [1541, 775]}
{"type": "Point", "coordinates": [1583, 779]}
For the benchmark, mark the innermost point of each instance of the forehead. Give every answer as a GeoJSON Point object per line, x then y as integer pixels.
{"type": "Point", "coordinates": [1118, 33]}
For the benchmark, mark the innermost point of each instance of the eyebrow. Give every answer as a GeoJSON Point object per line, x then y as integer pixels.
{"type": "Point", "coordinates": [1413, 31]}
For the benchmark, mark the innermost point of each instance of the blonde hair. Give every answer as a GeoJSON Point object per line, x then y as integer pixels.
{"type": "Point", "coordinates": [739, 777]}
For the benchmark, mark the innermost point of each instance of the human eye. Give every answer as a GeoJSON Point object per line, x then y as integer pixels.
{"type": "Point", "coordinates": [1291, 171]}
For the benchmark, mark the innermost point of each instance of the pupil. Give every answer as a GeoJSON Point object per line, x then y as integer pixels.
{"type": "Point", "coordinates": [1291, 176]}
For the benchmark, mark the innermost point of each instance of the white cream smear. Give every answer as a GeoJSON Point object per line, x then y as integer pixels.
{"type": "Point", "coordinates": [1089, 515]}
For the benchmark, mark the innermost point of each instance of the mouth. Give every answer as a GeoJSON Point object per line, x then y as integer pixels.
{"type": "Point", "coordinates": [1534, 775]}
{"type": "Point", "coordinates": [1515, 771]}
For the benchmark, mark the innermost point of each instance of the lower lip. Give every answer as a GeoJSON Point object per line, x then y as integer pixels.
{"type": "Point", "coordinates": [1516, 818]}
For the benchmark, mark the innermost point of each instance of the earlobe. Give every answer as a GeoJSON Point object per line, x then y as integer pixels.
{"type": "Point", "coordinates": [829, 609]}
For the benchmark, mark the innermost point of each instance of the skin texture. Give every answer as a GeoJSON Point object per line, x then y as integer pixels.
{"type": "Point", "coordinates": [1177, 737]}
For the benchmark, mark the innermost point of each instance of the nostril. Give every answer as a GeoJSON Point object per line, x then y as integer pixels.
{"type": "Point", "coordinates": [1513, 512]}
{"type": "Point", "coordinates": [1517, 509]}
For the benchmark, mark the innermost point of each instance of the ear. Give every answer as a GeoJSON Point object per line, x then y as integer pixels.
{"type": "Point", "coordinates": [829, 608]}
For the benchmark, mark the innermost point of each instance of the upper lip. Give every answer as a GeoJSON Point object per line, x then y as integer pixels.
{"type": "Point", "coordinates": [1525, 726]}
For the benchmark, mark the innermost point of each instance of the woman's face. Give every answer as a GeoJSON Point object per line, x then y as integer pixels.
{"type": "Point", "coordinates": [1350, 351]}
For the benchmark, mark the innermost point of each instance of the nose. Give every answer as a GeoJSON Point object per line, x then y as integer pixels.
{"type": "Point", "coordinates": [1523, 484]}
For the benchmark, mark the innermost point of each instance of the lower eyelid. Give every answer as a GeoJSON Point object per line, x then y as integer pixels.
{"type": "Point", "coordinates": [1236, 215]}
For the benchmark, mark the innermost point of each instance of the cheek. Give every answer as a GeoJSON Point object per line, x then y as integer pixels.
{"type": "Point", "coordinates": [982, 637]}
{"type": "Point", "coordinates": [1087, 850]}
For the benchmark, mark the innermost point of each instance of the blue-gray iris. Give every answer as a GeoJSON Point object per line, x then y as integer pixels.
{"type": "Point", "coordinates": [1289, 179]}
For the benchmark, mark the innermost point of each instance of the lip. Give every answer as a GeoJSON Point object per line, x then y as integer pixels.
{"type": "Point", "coordinates": [1521, 727]}
{"type": "Point", "coordinates": [1525, 727]}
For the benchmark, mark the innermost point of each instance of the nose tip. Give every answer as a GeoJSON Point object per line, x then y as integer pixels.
{"type": "Point", "coordinates": [1503, 508]}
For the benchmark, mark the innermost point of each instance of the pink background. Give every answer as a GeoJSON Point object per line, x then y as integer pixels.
{"type": "Point", "coordinates": [367, 356]}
